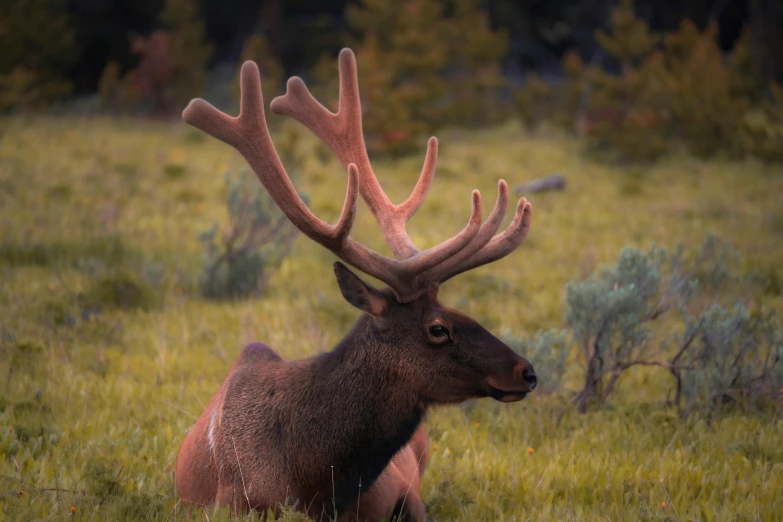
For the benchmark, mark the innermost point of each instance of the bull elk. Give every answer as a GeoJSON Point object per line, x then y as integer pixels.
{"type": "Point", "coordinates": [341, 433]}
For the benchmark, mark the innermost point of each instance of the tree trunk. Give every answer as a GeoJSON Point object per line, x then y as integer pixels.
{"type": "Point", "coordinates": [553, 182]}
{"type": "Point", "coordinates": [766, 25]}
{"type": "Point", "coordinates": [592, 386]}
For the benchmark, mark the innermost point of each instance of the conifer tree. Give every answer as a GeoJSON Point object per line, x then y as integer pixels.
{"type": "Point", "coordinates": [402, 57]}
{"type": "Point", "coordinates": [37, 47]}
{"type": "Point", "coordinates": [631, 38]}
{"type": "Point", "coordinates": [189, 50]}
{"type": "Point", "coordinates": [422, 68]}
{"type": "Point", "coordinates": [476, 54]}
{"type": "Point", "coordinates": [172, 66]}
{"type": "Point", "coordinates": [706, 113]}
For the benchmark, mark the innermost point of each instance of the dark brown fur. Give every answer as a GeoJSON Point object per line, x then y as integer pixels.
{"type": "Point", "coordinates": [317, 433]}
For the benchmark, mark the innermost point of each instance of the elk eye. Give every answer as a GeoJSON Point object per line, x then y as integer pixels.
{"type": "Point", "coordinates": [438, 330]}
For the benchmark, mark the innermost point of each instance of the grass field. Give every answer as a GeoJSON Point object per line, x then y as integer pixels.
{"type": "Point", "coordinates": [95, 400]}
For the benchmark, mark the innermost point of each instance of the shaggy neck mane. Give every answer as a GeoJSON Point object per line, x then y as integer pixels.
{"type": "Point", "coordinates": [360, 414]}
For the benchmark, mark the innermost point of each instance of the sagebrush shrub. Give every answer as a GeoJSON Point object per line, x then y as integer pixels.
{"type": "Point", "coordinates": [662, 309]}
{"type": "Point", "coordinates": [253, 243]}
{"type": "Point", "coordinates": [736, 355]}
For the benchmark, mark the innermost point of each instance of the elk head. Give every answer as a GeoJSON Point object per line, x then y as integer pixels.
{"type": "Point", "coordinates": [448, 355]}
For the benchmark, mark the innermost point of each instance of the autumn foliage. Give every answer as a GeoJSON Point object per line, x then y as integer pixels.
{"type": "Point", "coordinates": [171, 68]}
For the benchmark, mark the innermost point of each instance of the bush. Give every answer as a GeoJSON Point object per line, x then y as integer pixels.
{"type": "Point", "coordinates": [254, 242]}
{"type": "Point", "coordinates": [736, 356]}
{"type": "Point", "coordinates": [121, 290]}
{"type": "Point", "coordinates": [762, 133]}
{"type": "Point", "coordinates": [626, 316]}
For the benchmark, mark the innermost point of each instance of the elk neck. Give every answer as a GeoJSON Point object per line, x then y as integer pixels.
{"type": "Point", "coordinates": [367, 404]}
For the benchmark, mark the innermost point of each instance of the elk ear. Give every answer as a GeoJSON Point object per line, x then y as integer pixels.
{"type": "Point", "coordinates": [358, 293]}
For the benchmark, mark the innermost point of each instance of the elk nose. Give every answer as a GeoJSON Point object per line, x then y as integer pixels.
{"type": "Point", "coordinates": [530, 378]}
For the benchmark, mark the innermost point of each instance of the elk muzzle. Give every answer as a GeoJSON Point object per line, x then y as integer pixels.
{"type": "Point", "coordinates": [522, 381]}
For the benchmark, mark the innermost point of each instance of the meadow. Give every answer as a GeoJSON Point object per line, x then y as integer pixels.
{"type": "Point", "coordinates": [96, 396]}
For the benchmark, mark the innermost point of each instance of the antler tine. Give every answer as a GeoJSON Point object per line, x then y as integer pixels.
{"type": "Point", "coordinates": [498, 247]}
{"type": "Point", "coordinates": [482, 238]}
{"type": "Point", "coordinates": [414, 201]}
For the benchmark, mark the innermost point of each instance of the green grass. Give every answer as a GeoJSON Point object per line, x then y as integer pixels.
{"type": "Point", "coordinates": [99, 389]}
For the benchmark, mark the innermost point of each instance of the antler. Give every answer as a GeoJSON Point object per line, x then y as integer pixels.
{"type": "Point", "coordinates": [248, 134]}
{"type": "Point", "coordinates": [342, 132]}
{"type": "Point", "coordinates": [414, 271]}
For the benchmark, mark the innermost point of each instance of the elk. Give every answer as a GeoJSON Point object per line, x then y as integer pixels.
{"type": "Point", "coordinates": [340, 434]}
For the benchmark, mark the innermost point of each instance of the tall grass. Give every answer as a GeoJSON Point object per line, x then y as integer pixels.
{"type": "Point", "coordinates": [98, 392]}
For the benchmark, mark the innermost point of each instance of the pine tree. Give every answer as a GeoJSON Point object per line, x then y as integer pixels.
{"type": "Point", "coordinates": [402, 57]}
{"type": "Point", "coordinates": [743, 64]}
{"type": "Point", "coordinates": [172, 66]}
{"type": "Point", "coordinates": [630, 39]}
{"type": "Point", "coordinates": [190, 52]}
{"type": "Point", "coordinates": [624, 111]}
{"type": "Point", "coordinates": [421, 69]}
{"type": "Point", "coordinates": [705, 110]}
{"type": "Point", "coordinates": [37, 47]}
{"type": "Point", "coordinates": [476, 53]}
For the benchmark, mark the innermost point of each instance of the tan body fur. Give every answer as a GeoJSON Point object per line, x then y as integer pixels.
{"type": "Point", "coordinates": [197, 465]}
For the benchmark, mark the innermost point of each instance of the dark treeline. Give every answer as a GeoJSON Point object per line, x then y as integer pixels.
{"type": "Point", "coordinates": [299, 31]}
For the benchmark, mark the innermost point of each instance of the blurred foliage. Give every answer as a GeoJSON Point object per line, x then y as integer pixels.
{"type": "Point", "coordinates": [256, 48]}
{"type": "Point", "coordinates": [538, 101]}
{"type": "Point", "coordinates": [762, 132]}
{"type": "Point", "coordinates": [672, 89]}
{"type": "Point", "coordinates": [420, 68]}
{"type": "Point", "coordinates": [401, 59]}
{"type": "Point", "coordinates": [149, 82]}
{"type": "Point", "coordinates": [172, 64]}
{"type": "Point", "coordinates": [474, 72]}
{"type": "Point", "coordinates": [254, 242]}
{"type": "Point", "coordinates": [630, 37]}
{"type": "Point", "coordinates": [37, 48]}
{"type": "Point", "coordinates": [189, 49]}
{"type": "Point", "coordinates": [109, 87]}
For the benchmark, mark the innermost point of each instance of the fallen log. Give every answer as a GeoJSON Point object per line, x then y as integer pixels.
{"type": "Point", "coordinates": [553, 182]}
